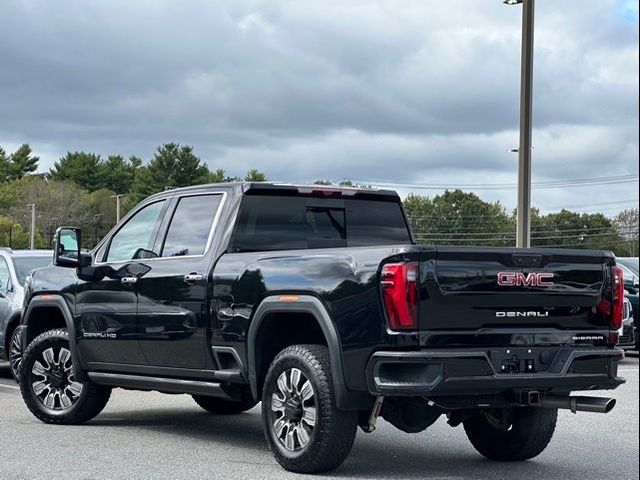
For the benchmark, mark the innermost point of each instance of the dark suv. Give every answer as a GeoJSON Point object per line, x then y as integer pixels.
{"type": "Point", "coordinates": [316, 302]}
{"type": "Point", "coordinates": [15, 265]}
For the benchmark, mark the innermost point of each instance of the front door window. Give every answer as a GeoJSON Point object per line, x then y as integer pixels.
{"type": "Point", "coordinates": [135, 239]}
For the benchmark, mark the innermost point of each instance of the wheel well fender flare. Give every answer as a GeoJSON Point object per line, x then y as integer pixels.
{"type": "Point", "coordinates": [13, 322]}
{"type": "Point", "coordinates": [58, 302]}
{"type": "Point", "coordinates": [304, 304]}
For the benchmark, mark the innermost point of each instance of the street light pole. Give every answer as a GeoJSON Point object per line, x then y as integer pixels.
{"type": "Point", "coordinates": [523, 232]}
{"type": "Point", "coordinates": [32, 232]}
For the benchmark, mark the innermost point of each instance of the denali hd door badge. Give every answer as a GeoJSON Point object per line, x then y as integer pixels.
{"type": "Point", "coordinates": [520, 279]}
{"type": "Point", "coordinates": [103, 335]}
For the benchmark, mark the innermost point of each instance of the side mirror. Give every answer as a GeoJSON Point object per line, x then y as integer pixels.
{"type": "Point", "coordinates": [67, 252]}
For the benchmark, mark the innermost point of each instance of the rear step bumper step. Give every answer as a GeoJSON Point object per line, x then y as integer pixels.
{"type": "Point", "coordinates": [169, 385]}
{"type": "Point", "coordinates": [461, 371]}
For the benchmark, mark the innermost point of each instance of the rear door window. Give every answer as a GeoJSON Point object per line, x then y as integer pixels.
{"type": "Point", "coordinates": [376, 223]}
{"type": "Point", "coordinates": [191, 226]}
{"type": "Point", "coordinates": [291, 223]}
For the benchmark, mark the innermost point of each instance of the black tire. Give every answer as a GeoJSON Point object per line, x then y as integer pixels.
{"type": "Point", "coordinates": [326, 443]}
{"type": "Point", "coordinates": [87, 399]}
{"type": "Point", "coordinates": [220, 406]}
{"type": "Point", "coordinates": [14, 354]}
{"type": "Point", "coordinates": [512, 434]}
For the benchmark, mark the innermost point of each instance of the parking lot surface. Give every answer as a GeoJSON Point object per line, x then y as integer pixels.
{"type": "Point", "coordinates": [151, 435]}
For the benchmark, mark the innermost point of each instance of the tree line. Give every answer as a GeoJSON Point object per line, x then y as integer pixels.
{"type": "Point", "coordinates": [80, 188]}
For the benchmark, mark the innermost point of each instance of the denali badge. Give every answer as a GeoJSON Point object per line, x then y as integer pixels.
{"type": "Point", "coordinates": [519, 279]}
{"type": "Point", "coordinates": [105, 335]}
{"type": "Point", "coordinates": [522, 314]}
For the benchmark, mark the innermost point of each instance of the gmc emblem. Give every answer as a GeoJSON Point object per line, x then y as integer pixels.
{"type": "Point", "coordinates": [519, 279]}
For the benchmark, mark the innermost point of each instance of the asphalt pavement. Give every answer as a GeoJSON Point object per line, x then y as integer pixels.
{"type": "Point", "coordinates": [151, 435]}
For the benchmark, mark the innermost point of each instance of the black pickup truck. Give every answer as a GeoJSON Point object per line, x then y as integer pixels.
{"type": "Point", "coordinates": [317, 302]}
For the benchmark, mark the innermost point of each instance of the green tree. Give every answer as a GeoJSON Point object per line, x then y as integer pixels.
{"type": "Point", "coordinates": [172, 166]}
{"type": "Point", "coordinates": [626, 223]}
{"type": "Point", "coordinates": [22, 162]}
{"type": "Point", "coordinates": [217, 176]}
{"type": "Point", "coordinates": [118, 174]}
{"type": "Point", "coordinates": [84, 169]}
{"type": "Point", "coordinates": [57, 203]}
{"type": "Point", "coordinates": [4, 166]}
{"type": "Point", "coordinates": [14, 235]}
{"type": "Point", "coordinates": [459, 218]}
{"type": "Point", "coordinates": [567, 229]}
{"type": "Point", "coordinates": [254, 175]}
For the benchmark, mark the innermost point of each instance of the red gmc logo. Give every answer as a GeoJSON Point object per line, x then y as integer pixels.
{"type": "Point", "coordinates": [519, 279]}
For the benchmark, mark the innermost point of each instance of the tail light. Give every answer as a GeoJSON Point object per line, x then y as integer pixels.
{"type": "Point", "coordinates": [399, 287]}
{"type": "Point", "coordinates": [617, 306]}
{"type": "Point", "coordinates": [614, 309]}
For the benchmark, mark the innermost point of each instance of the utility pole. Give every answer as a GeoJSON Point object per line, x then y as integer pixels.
{"type": "Point", "coordinates": [96, 220]}
{"type": "Point", "coordinates": [118, 196]}
{"type": "Point", "coordinates": [32, 232]}
{"type": "Point", "coordinates": [523, 232]}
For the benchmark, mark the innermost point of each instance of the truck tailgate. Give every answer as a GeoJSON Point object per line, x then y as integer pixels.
{"type": "Point", "coordinates": [485, 291]}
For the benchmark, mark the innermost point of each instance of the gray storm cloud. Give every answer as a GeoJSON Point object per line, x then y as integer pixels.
{"type": "Point", "coordinates": [404, 92]}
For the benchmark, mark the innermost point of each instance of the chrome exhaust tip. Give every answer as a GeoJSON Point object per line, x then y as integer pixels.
{"type": "Point", "coordinates": [578, 404]}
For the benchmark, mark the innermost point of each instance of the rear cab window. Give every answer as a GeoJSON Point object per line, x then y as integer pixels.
{"type": "Point", "coordinates": [273, 222]}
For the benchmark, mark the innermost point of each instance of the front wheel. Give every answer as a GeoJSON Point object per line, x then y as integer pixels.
{"type": "Point", "coordinates": [48, 384]}
{"type": "Point", "coordinates": [15, 353]}
{"type": "Point", "coordinates": [511, 434]}
{"type": "Point", "coordinates": [305, 430]}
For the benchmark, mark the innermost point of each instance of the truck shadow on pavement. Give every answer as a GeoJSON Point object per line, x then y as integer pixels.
{"type": "Point", "coordinates": [374, 456]}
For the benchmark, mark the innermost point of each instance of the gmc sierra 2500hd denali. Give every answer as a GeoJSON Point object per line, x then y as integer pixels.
{"type": "Point", "coordinates": [316, 302]}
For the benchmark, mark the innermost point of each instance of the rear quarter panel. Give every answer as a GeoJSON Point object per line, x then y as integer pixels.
{"type": "Point", "coordinates": [345, 280]}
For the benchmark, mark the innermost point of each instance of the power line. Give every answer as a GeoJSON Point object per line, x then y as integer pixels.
{"type": "Point", "coordinates": [579, 182]}
{"type": "Point", "coordinates": [495, 215]}
{"type": "Point", "coordinates": [617, 202]}
{"type": "Point", "coordinates": [534, 232]}
{"type": "Point", "coordinates": [501, 235]}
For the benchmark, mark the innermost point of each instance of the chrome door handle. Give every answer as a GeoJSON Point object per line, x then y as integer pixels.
{"type": "Point", "coordinates": [193, 277]}
{"type": "Point", "coordinates": [128, 280]}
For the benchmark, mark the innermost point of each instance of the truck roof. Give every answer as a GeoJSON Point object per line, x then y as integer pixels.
{"type": "Point", "coordinates": [287, 189]}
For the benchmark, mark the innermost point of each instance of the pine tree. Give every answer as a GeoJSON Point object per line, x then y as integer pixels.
{"type": "Point", "coordinates": [172, 166]}
{"type": "Point", "coordinates": [81, 168]}
{"type": "Point", "coordinates": [22, 162]}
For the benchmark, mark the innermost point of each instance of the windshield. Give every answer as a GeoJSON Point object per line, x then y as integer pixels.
{"type": "Point", "coordinates": [631, 264]}
{"type": "Point", "coordinates": [24, 265]}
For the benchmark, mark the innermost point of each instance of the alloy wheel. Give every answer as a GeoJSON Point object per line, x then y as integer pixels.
{"type": "Point", "coordinates": [15, 352]}
{"type": "Point", "coordinates": [294, 410]}
{"type": "Point", "coordinates": [53, 381]}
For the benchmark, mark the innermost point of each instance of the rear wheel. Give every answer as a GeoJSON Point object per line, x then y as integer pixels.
{"type": "Point", "coordinates": [48, 384]}
{"type": "Point", "coordinates": [305, 430]}
{"type": "Point", "coordinates": [511, 434]}
{"type": "Point", "coordinates": [221, 406]}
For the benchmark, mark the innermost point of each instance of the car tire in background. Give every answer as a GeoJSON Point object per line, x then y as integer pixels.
{"type": "Point", "coordinates": [512, 434]}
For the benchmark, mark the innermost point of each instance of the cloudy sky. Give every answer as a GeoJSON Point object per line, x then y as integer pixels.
{"type": "Point", "coordinates": [410, 93]}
